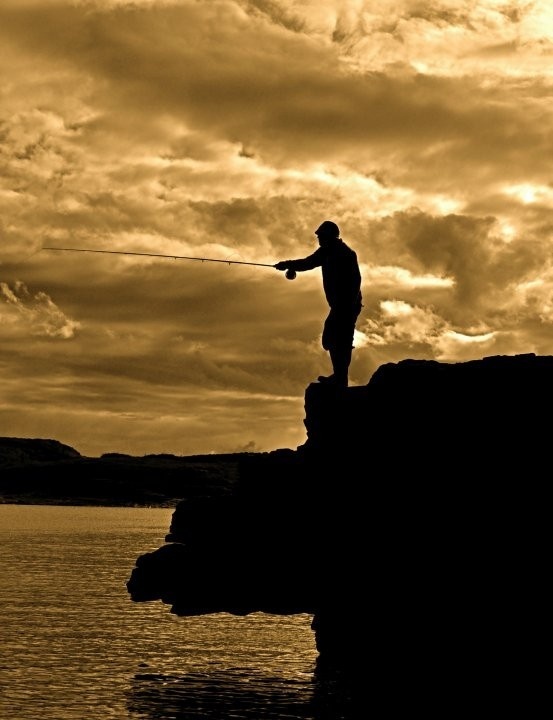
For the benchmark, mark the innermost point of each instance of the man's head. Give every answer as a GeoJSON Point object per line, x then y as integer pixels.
{"type": "Point", "coordinates": [327, 232]}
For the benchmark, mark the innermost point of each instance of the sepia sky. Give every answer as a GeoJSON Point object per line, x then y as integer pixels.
{"type": "Point", "coordinates": [230, 129]}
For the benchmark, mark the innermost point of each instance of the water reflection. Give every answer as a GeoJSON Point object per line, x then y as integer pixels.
{"type": "Point", "coordinates": [235, 693]}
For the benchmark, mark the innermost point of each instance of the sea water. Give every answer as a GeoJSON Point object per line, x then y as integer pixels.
{"type": "Point", "coordinates": [73, 646]}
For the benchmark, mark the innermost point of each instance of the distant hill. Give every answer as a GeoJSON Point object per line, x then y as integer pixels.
{"type": "Point", "coordinates": [25, 451]}
{"type": "Point", "coordinates": [45, 471]}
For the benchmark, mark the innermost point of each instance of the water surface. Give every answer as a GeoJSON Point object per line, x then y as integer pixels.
{"type": "Point", "coordinates": [73, 646]}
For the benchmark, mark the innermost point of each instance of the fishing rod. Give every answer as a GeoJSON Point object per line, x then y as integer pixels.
{"type": "Point", "coordinates": [290, 274]}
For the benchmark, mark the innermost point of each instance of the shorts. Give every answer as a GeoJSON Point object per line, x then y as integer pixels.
{"type": "Point", "coordinates": [339, 328]}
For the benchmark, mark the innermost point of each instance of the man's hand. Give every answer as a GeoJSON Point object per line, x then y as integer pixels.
{"type": "Point", "coordinates": [283, 265]}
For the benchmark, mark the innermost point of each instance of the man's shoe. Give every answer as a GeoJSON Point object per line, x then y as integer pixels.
{"type": "Point", "coordinates": [333, 380]}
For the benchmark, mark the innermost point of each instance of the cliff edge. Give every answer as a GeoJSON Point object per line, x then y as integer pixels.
{"type": "Point", "coordinates": [411, 525]}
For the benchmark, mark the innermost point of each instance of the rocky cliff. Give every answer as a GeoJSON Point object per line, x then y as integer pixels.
{"type": "Point", "coordinates": [412, 525]}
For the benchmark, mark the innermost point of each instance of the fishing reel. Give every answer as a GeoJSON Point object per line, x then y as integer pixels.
{"type": "Point", "coordinates": [290, 274]}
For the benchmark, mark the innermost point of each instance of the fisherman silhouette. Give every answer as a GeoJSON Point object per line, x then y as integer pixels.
{"type": "Point", "coordinates": [342, 287]}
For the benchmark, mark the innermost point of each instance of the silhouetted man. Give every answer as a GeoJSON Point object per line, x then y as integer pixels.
{"type": "Point", "coordinates": [342, 287]}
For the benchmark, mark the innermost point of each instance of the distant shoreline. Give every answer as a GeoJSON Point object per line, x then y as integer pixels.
{"type": "Point", "coordinates": [76, 502]}
{"type": "Point", "coordinates": [35, 471]}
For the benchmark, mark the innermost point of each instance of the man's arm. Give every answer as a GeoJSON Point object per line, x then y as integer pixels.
{"type": "Point", "coordinates": [308, 263]}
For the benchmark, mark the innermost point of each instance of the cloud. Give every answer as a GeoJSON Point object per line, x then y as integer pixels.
{"type": "Point", "coordinates": [156, 62]}
{"type": "Point", "coordinates": [36, 313]}
{"type": "Point", "coordinates": [457, 347]}
{"type": "Point", "coordinates": [391, 276]}
{"type": "Point", "coordinates": [401, 322]}
{"type": "Point", "coordinates": [230, 130]}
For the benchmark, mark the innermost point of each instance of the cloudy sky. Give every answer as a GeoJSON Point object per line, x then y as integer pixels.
{"type": "Point", "coordinates": [230, 129]}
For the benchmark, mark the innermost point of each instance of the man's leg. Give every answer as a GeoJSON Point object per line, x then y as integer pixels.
{"type": "Point", "coordinates": [338, 340]}
{"type": "Point", "coordinates": [328, 341]}
{"type": "Point", "coordinates": [341, 359]}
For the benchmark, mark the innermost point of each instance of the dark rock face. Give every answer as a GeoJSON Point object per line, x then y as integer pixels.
{"type": "Point", "coordinates": [249, 551]}
{"type": "Point", "coordinates": [411, 524]}
{"type": "Point", "coordinates": [419, 410]}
